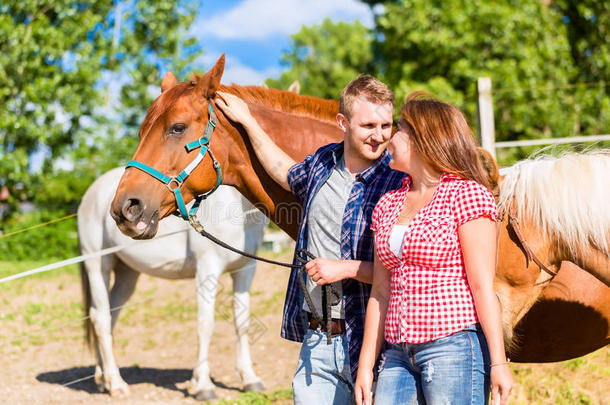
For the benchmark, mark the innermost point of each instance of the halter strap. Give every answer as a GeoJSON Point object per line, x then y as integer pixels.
{"type": "Point", "coordinates": [204, 144]}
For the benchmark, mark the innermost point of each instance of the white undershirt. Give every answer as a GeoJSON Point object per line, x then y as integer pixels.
{"type": "Point", "coordinates": [397, 238]}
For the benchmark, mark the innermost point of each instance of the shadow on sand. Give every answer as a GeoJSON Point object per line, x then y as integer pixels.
{"type": "Point", "coordinates": [80, 378]}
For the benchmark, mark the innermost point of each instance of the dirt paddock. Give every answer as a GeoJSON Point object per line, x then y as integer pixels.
{"type": "Point", "coordinates": [43, 358]}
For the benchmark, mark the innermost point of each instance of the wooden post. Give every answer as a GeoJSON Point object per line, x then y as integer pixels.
{"type": "Point", "coordinates": [486, 116]}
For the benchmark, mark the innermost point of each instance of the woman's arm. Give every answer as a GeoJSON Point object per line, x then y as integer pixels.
{"type": "Point", "coordinates": [373, 331]}
{"type": "Point", "coordinates": [275, 161]}
{"type": "Point", "coordinates": [478, 240]}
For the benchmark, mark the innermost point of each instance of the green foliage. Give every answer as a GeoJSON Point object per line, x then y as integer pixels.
{"type": "Point", "coordinates": [53, 57]}
{"type": "Point", "coordinates": [588, 26]}
{"type": "Point", "coordinates": [521, 46]}
{"type": "Point", "coordinates": [533, 53]}
{"type": "Point", "coordinates": [54, 241]}
{"type": "Point", "coordinates": [325, 57]}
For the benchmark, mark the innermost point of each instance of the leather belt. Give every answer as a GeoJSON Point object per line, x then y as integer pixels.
{"type": "Point", "coordinates": [337, 325]}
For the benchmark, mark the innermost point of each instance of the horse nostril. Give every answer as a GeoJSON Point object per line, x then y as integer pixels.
{"type": "Point", "coordinates": [132, 209]}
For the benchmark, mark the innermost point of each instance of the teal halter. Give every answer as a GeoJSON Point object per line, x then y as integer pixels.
{"type": "Point", "coordinates": [204, 144]}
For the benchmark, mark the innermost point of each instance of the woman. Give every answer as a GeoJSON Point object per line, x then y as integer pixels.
{"type": "Point", "coordinates": [436, 242]}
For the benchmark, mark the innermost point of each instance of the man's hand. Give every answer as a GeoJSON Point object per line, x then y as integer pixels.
{"type": "Point", "coordinates": [325, 271]}
{"type": "Point", "coordinates": [275, 161]}
{"type": "Point", "coordinates": [234, 108]}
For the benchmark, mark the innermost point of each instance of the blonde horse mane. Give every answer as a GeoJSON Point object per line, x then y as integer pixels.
{"type": "Point", "coordinates": [565, 197]}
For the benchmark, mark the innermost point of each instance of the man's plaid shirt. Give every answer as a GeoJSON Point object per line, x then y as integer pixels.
{"type": "Point", "coordinates": [305, 179]}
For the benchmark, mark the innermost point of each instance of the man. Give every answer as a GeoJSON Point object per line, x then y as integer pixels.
{"type": "Point", "coordinates": [338, 186]}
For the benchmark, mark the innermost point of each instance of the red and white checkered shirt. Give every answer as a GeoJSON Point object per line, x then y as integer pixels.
{"type": "Point", "coordinates": [430, 297]}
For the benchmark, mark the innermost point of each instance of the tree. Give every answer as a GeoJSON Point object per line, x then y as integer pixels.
{"type": "Point", "coordinates": [522, 47]}
{"type": "Point", "coordinates": [325, 57]}
{"type": "Point", "coordinates": [53, 55]}
{"type": "Point", "coordinates": [445, 46]}
{"type": "Point", "coordinates": [588, 28]}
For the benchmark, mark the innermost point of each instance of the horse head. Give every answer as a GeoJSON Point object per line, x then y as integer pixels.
{"type": "Point", "coordinates": [176, 138]}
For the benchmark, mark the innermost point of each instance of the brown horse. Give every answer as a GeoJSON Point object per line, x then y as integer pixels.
{"type": "Point", "coordinates": [299, 125]}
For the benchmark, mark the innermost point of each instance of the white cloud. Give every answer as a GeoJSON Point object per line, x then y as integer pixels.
{"type": "Point", "coordinates": [260, 19]}
{"type": "Point", "coordinates": [235, 71]}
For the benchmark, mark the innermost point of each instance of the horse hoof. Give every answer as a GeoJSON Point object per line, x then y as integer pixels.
{"type": "Point", "coordinates": [254, 387]}
{"type": "Point", "coordinates": [120, 392]}
{"type": "Point", "coordinates": [205, 395]}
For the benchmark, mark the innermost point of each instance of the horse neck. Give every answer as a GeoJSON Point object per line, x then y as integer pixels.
{"type": "Point", "coordinates": [295, 134]}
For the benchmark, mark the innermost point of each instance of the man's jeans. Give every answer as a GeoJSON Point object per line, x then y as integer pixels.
{"type": "Point", "coordinates": [323, 371]}
{"type": "Point", "coordinates": [450, 370]}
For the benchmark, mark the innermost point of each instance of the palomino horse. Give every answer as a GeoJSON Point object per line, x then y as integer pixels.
{"type": "Point", "coordinates": [182, 254]}
{"type": "Point", "coordinates": [299, 125]}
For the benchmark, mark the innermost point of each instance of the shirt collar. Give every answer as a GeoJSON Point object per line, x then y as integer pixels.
{"type": "Point", "coordinates": [444, 177]}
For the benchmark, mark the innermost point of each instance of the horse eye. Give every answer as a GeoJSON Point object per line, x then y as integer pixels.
{"type": "Point", "coordinates": [177, 129]}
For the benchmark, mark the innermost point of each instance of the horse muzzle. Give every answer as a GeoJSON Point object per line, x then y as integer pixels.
{"type": "Point", "coordinates": [133, 218]}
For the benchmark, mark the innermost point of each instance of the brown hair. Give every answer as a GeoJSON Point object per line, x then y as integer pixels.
{"type": "Point", "coordinates": [442, 137]}
{"type": "Point", "coordinates": [373, 90]}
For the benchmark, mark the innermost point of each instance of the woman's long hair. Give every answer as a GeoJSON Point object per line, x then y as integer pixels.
{"type": "Point", "coordinates": [442, 137]}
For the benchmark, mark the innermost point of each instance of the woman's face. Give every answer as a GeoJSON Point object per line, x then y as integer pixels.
{"type": "Point", "coordinates": [401, 149]}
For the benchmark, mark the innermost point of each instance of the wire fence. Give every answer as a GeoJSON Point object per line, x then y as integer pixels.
{"type": "Point", "coordinates": [81, 258]}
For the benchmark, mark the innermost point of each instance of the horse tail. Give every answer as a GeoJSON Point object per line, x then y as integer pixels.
{"type": "Point", "coordinates": [90, 336]}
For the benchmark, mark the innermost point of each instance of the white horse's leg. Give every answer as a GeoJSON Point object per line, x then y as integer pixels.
{"type": "Point", "coordinates": [206, 279]}
{"type": "Point", "coordinates": [100, 317]}
{"type": "Point", "coordinates": [242, 279]}
{"type": "Point", "coordinates": [125, 280]}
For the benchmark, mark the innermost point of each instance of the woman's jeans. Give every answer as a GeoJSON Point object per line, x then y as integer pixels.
{"type": "Point", "coordinates": [450, 370]}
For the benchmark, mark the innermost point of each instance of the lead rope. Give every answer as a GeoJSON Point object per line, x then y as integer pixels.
{"type": "Point", "coordinates": [303, 256]}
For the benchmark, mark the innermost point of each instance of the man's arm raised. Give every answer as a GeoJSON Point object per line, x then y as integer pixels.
{"type": "Point", "coordinates": [275, 161]}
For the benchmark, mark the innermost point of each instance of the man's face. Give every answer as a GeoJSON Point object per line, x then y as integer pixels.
{"type": "Point", "coordinates": [368, 130]}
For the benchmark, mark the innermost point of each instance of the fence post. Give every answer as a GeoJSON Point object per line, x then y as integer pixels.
{"type": "Point", "coordinates": [486, 116]}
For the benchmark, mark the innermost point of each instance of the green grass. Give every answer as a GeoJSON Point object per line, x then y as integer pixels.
{"type": "Point", "coordinates": [36, 316]}
{"type": "Point", "coordinates": [18, 286]}
{"type": "Point", "coordinates": [279, 396]}
{"type": "Point", "coordinates": [578, 381]}
{"type": "Point", "coordinates": [271, 304]}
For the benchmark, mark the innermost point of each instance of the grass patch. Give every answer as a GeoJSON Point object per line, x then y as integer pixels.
{"type": "Point", "coordinates": [271, 304]}
{"type": "Point", "coordinates": [279, 396]}
{"type": "Point", "coordinates": [19, 286]}
{"type": "Point", "coordinates": [569, 382]}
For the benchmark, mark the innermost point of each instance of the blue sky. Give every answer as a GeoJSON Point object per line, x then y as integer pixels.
{"type": "Point", "coordinates": [253, 33]}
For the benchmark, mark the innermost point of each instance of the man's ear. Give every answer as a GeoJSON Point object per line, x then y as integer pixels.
{"type": "Point", "coordinates": [343, 122]}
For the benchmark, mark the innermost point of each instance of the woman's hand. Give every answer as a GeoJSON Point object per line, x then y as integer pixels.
{"type": "Point", "coordinates": [501, 384]}
{"type": "Point", "coordinates": [362, 389]}
{"type": "Point", "coordinates": [234, 108]}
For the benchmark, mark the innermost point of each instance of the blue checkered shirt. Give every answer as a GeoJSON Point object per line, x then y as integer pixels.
{"type": "Point", "coordinates": [305, 180]}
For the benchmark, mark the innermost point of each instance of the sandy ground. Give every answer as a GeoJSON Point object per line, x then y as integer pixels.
{"type": "Point", "coordinates": [43, 355]}
{"type": "Point", "coordinates": [155, 342]}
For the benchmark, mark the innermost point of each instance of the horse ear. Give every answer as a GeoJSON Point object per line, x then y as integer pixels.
{"type": "Point", "coordinates": [210, 82]}
{"type": "Point", "coordinates": [295, 87]}
{"type": "Point", "coordinates": [168, 82]}
{"type": "Point", "coordinates": [491, 167]}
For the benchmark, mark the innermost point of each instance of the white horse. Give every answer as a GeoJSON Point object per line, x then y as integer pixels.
{"type": "Point", "coordinates": [183, 254]}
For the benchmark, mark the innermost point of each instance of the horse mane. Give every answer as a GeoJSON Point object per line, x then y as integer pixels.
{"type": "Point", "coordinates": [565, 196]}
{"type": "Point", "coordinates": [279, 100]}
{"type": "Point", "coordinates": [286, 101]}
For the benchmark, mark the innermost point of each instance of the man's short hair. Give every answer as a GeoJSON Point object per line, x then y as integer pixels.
{"type": "Point", "coordinates": [372, 89]}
